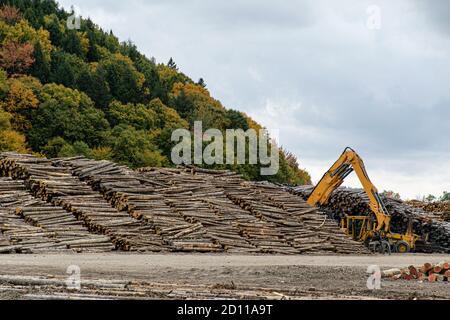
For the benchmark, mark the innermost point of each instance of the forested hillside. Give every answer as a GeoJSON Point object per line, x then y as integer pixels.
{"type": "Point", "coordinates": [83, 92]}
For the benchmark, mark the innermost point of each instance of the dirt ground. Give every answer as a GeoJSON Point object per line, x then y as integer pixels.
{"type": "Point", "coordinates": [222, 276]}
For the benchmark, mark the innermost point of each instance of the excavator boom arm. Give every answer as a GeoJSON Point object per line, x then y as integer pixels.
{"type": "Point", "coordinates": [348, 162]}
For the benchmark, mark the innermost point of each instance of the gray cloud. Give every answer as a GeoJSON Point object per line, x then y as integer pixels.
{"type": "Point", "coordinates": [436, 13]}
{"type": "Point", "coordinates": [315, 71]}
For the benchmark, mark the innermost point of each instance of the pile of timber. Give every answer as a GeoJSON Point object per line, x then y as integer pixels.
{"type": "Point", "coordinates": [427, 272]}
{"type": "Point", "coordinates": [348, 201]}
{"type": "Point", "coordinates": [439, 209]}
{"type": "Point", "coordinates": [30, 225]}
{"type": "Point", "coordinates": [147, 201]}
{"type": "Point", "coordinates": [327, 230]}
{"type": "Point", "coordinates": [286, 223]}
{"type": "Point", "coordinates": [271, 224]}
{"type": "Point", "coordinates": [15, 234]}
{"type": "Point", "coordinates": [199, 201]}
{"type": "Point", "coordinates": [85, 203]}
{"type": "Point", "coordinates": [58, 186]}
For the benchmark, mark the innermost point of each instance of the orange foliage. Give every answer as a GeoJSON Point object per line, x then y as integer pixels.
{"type": "Point", "coordinates": [16, 57]}
{"type": "Point", "coordinates": [10, 14]}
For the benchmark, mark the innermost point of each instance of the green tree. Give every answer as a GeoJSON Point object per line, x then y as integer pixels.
{"type": "Point", "coordinates": [429, 198]}
{"type": "Point", "coordinates": [124, 81]}
{"type": "Point", "coordinates": [72, 43]}
{"type": "Point", "coordinates": [172, 65]}
{"type": "Point", "coordinates": [41, 66]}
{"type": "Point", "coordinates": [66, 69]}
{"type": "Point", "coordinates": [66, 113]}
{"type": "Point", "coordinates": [445, 196]}
{"type": "Point", "coordinates": [95, 86]}
{"type": "Point", "coordinates": [140, 116]}
{"type": "Point", "coordinates": [54, 146]}
{"type": "Point", "coordinates": [135, 148]}
{"type": "Point", "coordinates": [391, 194]}
{"type": "Point", "coordinates": [167, 121]}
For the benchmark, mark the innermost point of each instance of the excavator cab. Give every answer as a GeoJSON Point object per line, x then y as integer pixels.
{"type": "Point", "coordinates": [373, 230]}
{"type": "Point", "coordinates": [355, 226]}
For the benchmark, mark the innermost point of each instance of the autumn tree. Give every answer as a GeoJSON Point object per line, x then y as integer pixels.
{"type": "Point", "coordinates": [102, 98]}
{"type": "Point", "coordinates": [167, 120]}
{"type": "Point", "coordinates": [16, 57]}
{"type": "Point", "coordinates": [21, 100]}
{"type": "Point", "coordinates": [10, 140]}
{"type": "Point", "coordinates": [10, 14]}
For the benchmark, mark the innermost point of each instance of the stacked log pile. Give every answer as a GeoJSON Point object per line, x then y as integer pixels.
{"type": "Point", "coordinates": [440, 210]}
{"type": "Point", "coordinates": [68, 231]}
{"type": "Point", "coordinates": [266, 224]}
{"type": "Point", "coordinates": [289, 225]}
{"type": "Point", "coordinates": [58, 186]}
{"type": "Point", "coordinates": [91, 204]}
{"type": "Point", "coordinates": [147, 201]}
{"type": "Point", "coordinates": [197, 199]}
{"type": "Point", "coordinates": [427, 272]}
{"type": "Point", "coordinates": [32, 225]}
{"type": "Point", "coordinates": [15, 234]}
{"type": "Point", "coordinates": [326, 230]}
{"type": "Point", "coordinates": [348, 201]}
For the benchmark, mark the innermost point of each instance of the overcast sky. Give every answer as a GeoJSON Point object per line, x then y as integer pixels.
{"type": "Point", "coordinates": [373, 75]}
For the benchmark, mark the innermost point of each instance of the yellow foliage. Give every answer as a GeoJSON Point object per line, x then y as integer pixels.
{"type": "Point", "coordinates": [84, 42]}
{"type": "Point", "coordinates": [102, 153]}
{"type": "Point", "coordinates": [191, 89]}
{"type": "Point", "coordinates": [21, 98]}
{"type": "Point", "coordinates": [23, 32]}
{"type": "Point", "coordinates": [166, 74]}
{"type": "Point", "coordinates": [11, 140]}
{"type": "Point", "coordinates": [252, 123]}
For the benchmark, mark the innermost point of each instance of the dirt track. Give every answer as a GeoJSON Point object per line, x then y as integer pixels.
{"type": "Point", "coordinates": [341, 277]}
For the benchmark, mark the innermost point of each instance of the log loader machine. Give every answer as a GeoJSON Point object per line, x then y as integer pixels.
{"type": "Point", "coordinates": [373, 230]}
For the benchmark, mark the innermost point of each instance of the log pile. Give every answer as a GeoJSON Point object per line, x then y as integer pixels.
{"type": "Point", "coordinates": [147, 201]}
{"type": "Point", "coordinates": [427, 272]}
{"type": "Point", "coordinates": [440, 210]}
{"type": "Point", "coordinates": [15, 234]}
{"type": "Point", "coordinates": [348, 201]}
{"type": "Point", "coordinates": [287, 224]}
{"type": "Point", "coordinates": [85, 203]}
{"type": "Point", "coordinates": [58, 186]}
{"type": "Point", "coordinates": [31, 225]}
{"type": "Point", "coordinates": [197, 200]}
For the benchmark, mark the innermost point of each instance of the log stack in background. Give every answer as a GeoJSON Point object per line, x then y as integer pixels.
{"type": "Point", "coordinates": [348, 201]}
{"type": "Point", "coordinates": [440, 210]}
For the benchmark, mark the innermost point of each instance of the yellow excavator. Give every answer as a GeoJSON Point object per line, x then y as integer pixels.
{"type": "Point", "coordinates": [373, 230]}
